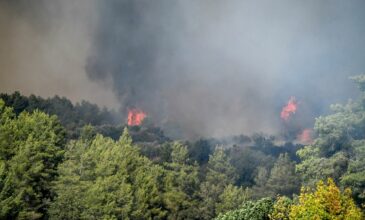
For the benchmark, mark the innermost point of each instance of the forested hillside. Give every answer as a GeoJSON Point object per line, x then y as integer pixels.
{"type": "Point", "coordinates": [64, 161]}
{"type": "Point", "coordinates": [72, 117]}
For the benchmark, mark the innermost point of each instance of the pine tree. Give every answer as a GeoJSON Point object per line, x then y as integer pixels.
{"type": "Point", "coordinates": [31, 147]}
{"type": "Point", "coordinates": [220, 173]}
{"type": "Point", "coordinates": [283, 179]}
{"type": "Point", "coordinates": [106, 179]}
{"type": "Point", "coordinates": [355, 175]}
{"type": "Point", "coordinates": [181, 184]}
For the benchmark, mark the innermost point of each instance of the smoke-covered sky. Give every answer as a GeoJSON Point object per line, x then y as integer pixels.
{"type": "Point", "coordinates": [199, 68]}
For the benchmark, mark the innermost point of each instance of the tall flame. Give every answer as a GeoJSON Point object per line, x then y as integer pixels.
{"type": "Point", "coordinates": [136, 116]}
{"type": "Point", "coordinates": [289, 109]}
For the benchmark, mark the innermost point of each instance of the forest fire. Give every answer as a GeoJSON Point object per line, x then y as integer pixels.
{"type": "Point", "coordinates": [305, 137]}
{"type": "Point", "coordinates": [289, 109]}
{"type": "Point", "coordinates": [136, 116]}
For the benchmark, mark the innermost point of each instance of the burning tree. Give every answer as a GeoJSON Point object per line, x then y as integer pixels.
{"type": "Point", "coordinates": [136, 117]}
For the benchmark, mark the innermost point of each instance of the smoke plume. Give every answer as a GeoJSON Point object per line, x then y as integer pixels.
{"type": "Point", "coordinates": [212, 68]}
{"type": "Point", "coordinates": [216, 68]}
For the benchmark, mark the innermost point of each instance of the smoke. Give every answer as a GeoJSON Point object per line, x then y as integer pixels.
{"type": "Point", "coordinates": [217, 68]}
{"type": "Point", "coordinates": [305, 137]}
{"type": "Point", "coordinates": [43, 49]}
{"type": "Point", "coordinates": [208, 68]}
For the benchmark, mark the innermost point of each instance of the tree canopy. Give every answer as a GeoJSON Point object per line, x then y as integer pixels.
{"type": "Point", "coordinates": [76, 164]}
{"type": "Point", "coordinates": [31, 147]}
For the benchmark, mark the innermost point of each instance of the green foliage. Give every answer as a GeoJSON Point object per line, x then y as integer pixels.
{"type": "Point", "coordinates": [337, 152]}
{"type": "Point", "coordinates": [181, 184]}
{"type": "Point", "coordinates": [144, 175]}
{"type": "Point", "coordinates": [31, 147]}
{"type": "Point", "coordinates": [260, 188]}
{"type": "Point", "coordinates": [220, 173]}
{"type": "Point", "coordinates": [246, 160]}
{"type": "Point", "coordinates": [232, 198]}
{"type": "Point", "coordinates": [326, 202]}
{"type": "Point", "coordinates": [250, 210]}
{"type": "Point", "coordinates": [335, 131]}
{"type": "Point", "coordinates": [355, 175]}
{"type": "Point", "coordinates": [281, 180]}
{"type": "Point", "coordinates": [313, 167]}
{"type": "Point", "coordinates": [179, 154]}
{"type": "Point", "coordinates": [105, 179]}
{"type": "Point", "coordinates": [200, 151]}
{"type": "Point", "coordinates": [72, 117]}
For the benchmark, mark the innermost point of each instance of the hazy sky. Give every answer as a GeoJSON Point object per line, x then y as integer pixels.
{"type": "Point", "coordinates": [207, 68]}
{"type": "Point", "coordinates": [43, 49]}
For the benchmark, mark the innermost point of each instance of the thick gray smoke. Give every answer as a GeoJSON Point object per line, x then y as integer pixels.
{"type": "Point", "coordinates": [213, 68]}
{"type": "Point", "coordinates": [223, 67]}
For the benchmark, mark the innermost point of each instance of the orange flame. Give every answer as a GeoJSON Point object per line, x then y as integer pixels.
{"type": "Point", "coordinates": [136, 116]}
{"type": "Point", "coordinates": [289, 109]}
{"type": "Point", "coordinates": [305, 137]}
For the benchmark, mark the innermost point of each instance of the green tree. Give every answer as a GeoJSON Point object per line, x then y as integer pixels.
{"type": "Point", "coordinates": [72, 117]}
{"type": "Point", "coordinates": [106, 179]}
{"type": "Point", "coordinates": [220, 173]}
{"type": "Point", "coordinates": [232, 198]}
{"type": "Point", "coordinates": [337, 152]}
{"type": "Point", "coordinates": [246, 160]}
{"type": "Point", "coordinates": [283, 179]}
{"type": "Point", "coordinates": [313, 167]}
{"type": "Point", "coordinates": [31, 147]}
{"type": "Point", "coordinates": [260, 188]}
{"type": "Point", "coordinates": [250, 210]}
{"type": "Point", "coordinates": [355, 175]}
{"type": "Point", "coordinates": [181, 185]}
{"type": "Point", "coordinates": [200, 151]}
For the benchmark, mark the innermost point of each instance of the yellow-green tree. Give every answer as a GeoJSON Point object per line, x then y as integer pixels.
{"type": "Point", "coordinates": [326, 202]}
{"type": "Point", "coordinates": [281, 208]}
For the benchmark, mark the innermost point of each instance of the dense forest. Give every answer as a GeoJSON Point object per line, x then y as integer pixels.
{"type": "Point", "coordinates": [60, 160]}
